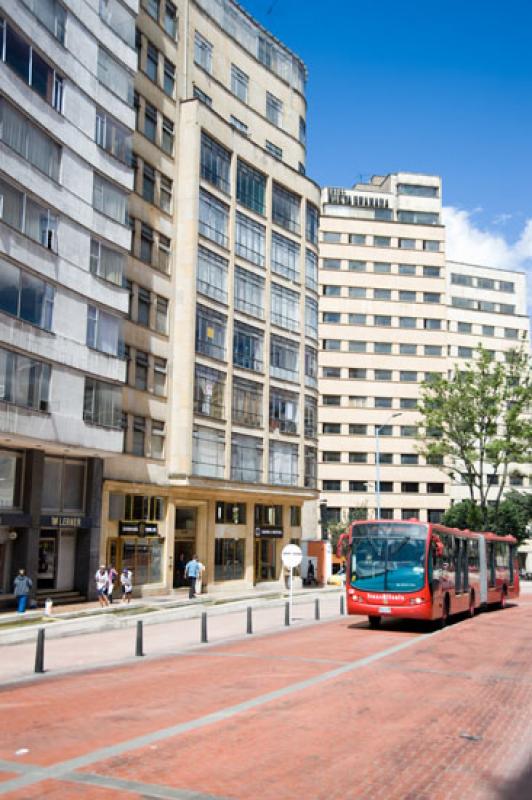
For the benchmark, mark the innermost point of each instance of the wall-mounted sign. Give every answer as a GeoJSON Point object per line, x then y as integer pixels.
{"type": "Point", "coordinates": [138, 528]}
{"type": "Point", "coordinates": [61, 521]}
{"type": "Point", "coordinates": [273, 533]}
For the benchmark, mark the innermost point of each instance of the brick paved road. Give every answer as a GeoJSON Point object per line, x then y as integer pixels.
{"type": "Point", "coordinates": [326, 711]}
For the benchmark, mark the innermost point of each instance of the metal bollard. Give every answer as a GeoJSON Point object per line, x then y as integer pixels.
{"type": "Point", "coordinates": [287, 613]}
{"type": "Point", "coordinates": [317, 608]}
{"type": "Point", "coordinates": [138, 643]}
{"type": "Point", "coordinates": [204, 627]}
{"type": "Point", "coordinates": [39, 653]}
{"type": "Point", "coordinates": [249, 620]}
{"type": "Point", "coordinates": [342, 605]}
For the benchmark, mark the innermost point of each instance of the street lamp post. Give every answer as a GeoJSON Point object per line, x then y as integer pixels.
{"type": "Point", "coordinates": [378, 463]}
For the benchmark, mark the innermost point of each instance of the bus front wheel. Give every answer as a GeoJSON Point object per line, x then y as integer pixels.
{"type": "Point", "coordinates": [374, 622]}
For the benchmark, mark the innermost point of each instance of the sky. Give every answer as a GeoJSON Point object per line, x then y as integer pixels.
{"type": "Point", "coordinates": [436, 86]}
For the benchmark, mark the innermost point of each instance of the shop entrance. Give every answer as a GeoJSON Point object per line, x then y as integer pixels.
{"type": "Point", "coordinates": [57, 559]}
{"type": "Point", "coordinates": [184, 542]}
{"type": "Point", "coordinates": [265, 559]}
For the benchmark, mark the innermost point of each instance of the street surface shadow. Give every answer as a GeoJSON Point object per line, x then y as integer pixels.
{"type": "Point", "coordinates": [397, 625]}
{"type": "Point", "coordinates": [518, 788]}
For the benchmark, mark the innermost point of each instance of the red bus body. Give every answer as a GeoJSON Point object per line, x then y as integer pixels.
{"type": "Point", "coordinates": [455, 571]}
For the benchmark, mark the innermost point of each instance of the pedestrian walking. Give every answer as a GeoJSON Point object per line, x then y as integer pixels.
{"type": "Point", "coordinates": [102, 584]}
{"type": "Point", "coordinates": [112, 576]}
{"type": "Point", "coordinates": [199, 579]}
{"type": "Point", "coordinates": [192, 573]}
{"type": "Point", "coordinates": [22, 587]}
{"type": "Point", "coordinates": [126, 581]}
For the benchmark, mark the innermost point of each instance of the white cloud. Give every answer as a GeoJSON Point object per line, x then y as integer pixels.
{"type": "Point", "coordinates": [467, 242]}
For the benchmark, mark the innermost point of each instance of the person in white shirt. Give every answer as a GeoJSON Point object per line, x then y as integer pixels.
{"type": "Point", "coordinates": [102, 584]}
{"type": "Point", "coordinates": [126, 581]}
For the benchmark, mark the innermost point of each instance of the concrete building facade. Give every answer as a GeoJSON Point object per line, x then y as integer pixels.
{"type": "Point", "coordinates": [221, 116]}
{"type": "Point", "coordinates": [64, 185]}
{"type": "Point", "coordinates": [383, 330]}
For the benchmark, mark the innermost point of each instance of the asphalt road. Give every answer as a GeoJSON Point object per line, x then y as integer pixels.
{"type": "Point", "coordinates": [327, 710]}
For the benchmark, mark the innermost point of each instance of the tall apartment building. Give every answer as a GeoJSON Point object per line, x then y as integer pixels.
{"type": "Point", "coordinates": [64, 240]}
{"type": "Point", "coordinates": [221, 404]}
{"type": "Point", "coordinates": [383, 330]}
{"type": "Point", "coordinates": [487, 306]}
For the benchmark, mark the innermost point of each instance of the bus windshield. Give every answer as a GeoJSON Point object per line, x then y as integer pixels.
{"type": "Point", "coordinates": [388, 557]}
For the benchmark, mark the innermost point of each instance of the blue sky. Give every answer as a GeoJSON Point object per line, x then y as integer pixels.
{"type": "Point", "coordinates": [440, 86]}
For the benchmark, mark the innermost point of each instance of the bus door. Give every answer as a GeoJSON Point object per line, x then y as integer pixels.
{"type": "Point", "coordinates": [490, 559]}
{"type": "Point", "coordinates": [458, 573]}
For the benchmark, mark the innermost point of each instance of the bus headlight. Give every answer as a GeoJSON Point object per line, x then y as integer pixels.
{"type": "Point", "coordinates": [416, 601]}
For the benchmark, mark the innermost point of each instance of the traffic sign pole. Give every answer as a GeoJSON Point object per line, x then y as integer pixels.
{"type": "Point", "coordinates": [291, 556]}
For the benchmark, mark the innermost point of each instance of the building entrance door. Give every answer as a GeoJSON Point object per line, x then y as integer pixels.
{"type": "Point", "coordinates": [184, 543]}
{"type": "Point", "coordinates": [265, 559]}
{"type": "Point", "coordinates": [47, 560]}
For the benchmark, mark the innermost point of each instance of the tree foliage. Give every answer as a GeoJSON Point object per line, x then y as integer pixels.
{"type": "Point", "coordinates": [476, 423]}
{"type": "Point", "coordinates": [512, 518]}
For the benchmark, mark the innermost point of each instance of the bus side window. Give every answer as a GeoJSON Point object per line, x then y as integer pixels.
{"type": "Point", "coordinates": [465, 564]}
{"type": "Point", "coordinates": [490, 555]}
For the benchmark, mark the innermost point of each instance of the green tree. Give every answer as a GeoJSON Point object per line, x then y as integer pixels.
{"type": "Point", "coordinates": [512, 518]}
{"type": "Point", "coordinates": [476, 423]}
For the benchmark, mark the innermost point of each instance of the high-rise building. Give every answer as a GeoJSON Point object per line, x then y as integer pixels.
{"type": "Point", "coordinates": [486, 306]}
{"type": "Point", "coordinates": [221, 404]}
{"type": "Point", "coordinates": [66, 119]}
{"type": "Point", "coordinates": [383, 331]}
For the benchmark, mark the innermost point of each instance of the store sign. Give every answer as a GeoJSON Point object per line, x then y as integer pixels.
{"type": "Point", "coordinates": [66, 522]}
{"type": "Point", "coordinates": [138, 528]}
{"type": "Point", "coordinates": [273, 533]}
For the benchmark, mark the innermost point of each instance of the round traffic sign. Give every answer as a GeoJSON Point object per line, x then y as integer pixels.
{"type": "Point", "coordinates": [291, 555]}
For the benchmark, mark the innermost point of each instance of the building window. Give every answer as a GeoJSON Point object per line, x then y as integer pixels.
{"type": "Point", "coordinates": [285, 208]}
{"type": "Point", "coordinates": [435, 488]}
{"type": "Point", "coordinates": [408, 402]}
{"type": "Point", "coordinates": [238, 125]}
{"type": "Point", "coordinates": [285, 307]}
{"type": "Point", "coordinates": [357, 319]}
{"type": "Point", "coordinates": [356, 346]}
{"type": "Point", "coordinates": [157, 439]}
{"type": "Point", "coordinates": [210, 333]}
{"type": "Point", "coordinates": [159, 376]}
{"type": "Point", "coordinates": [409, 459]}
{"type": "Point", "coordinates": [418, 218]}
{"type": "Point", "coordinates": [408, 376]}
{"type": "Point", "coordinates": [431, 297]}
{"type": "Point", "coordinates": [246, 459]}
{"type": "Point", "coordinates": [409, 513]}
{"type": "Point", "coordinates": [229, 559]}
{"type": "Point", "coordinates": [24, 381]}
{"type": "Point", "coordinates": [249, 292]}
{"type": "Point", "coordinates": [311, 317]}
{"type": "Point", "coordinates": [407, 244]}
{"type": "Point", "coordinates": [143, 307]}
{"type": "Point", "coordinates": [382, 321]}
{"type": "Point", "coordinates": [239, 83]}
{"type": "Point", "coordinates": [115, 77]}
{"type": "Point", "coordinates": [331, 264]}
{"type": "Point", "coordinates": [23, 59]}
{"type": "Point", "coordinates": [150, 122]}
{"type": "Point", "coordinates": [332, 291]}
{"type": "Point", "coordinates": [29, 141]}
{"type": "Point", "coordinates": [332, 344]}
{"type": "Point", "coordinates": [209, 392]}
{"type": "Point", "coordinates": [331, 400]}
{"type": "Point", "coordinates": [112, 137]}
{"type": "Point", "coordinates": [141, 371]}
{"type": "Point", "coordinates": [167, 139]}
{"type": "Point", "coordinates": [331, 428]}
{"type": "Point", "coordinates": [103, 331]}
{"type": "Point", "coordinates": [247, 403]}
{"type": "Point", "coordinates": [247, 347]}
{"type": "Point", "coordinates": [250, 187]}
{"type": "Point", "coordinates": [161, 315]}
{"type": "Point", "coordinates": [152, 62]}
{"type": "Point", "coordinates": [383, 402]}
{"type": "Point", "coordinates": [409, 487]}
{"type": "Point", "coordinates": [27, 216]}
{"type": "Point", "coordinates": [432, 350]}
{"type": "Point", "coordinates": [230, 513]}
{"type": "Point", "coordinates": [331, 317]}
{"type": "Point", "coordinates": [208, 452]}
{"type": "Point", "coordinates": [148, 184]}
{"type": "Point", "coordinates": [163, 254]}
{"type": "Point", "coordinates": [311, 270]}
{"type": "Point", "coordinates": [250, 240]}
{"type": "Point", "coordinates": [63, 485]}
{"type": "Point", "coordinates": [169, 78]}
{"type": "Point", "coordinates": [273, 150]}
{"type": "Point", "coordinates": [165, 194]}
{"type": "Point", "coordinates": [284, 359]}
{"type": "Point", "coordinates": [432, 324]}
{"type": "Point", "coordinates": [358, 486]}
{"type": "Point", "coordinates": [312, 220]}
{"type": "Point", "coordinates": [332, 486]}
{"type": "Point", "coordinates": [285, 256]}
{"type": "Point", "coordinates": [465, 352]}
{"type": "Point", "coordinates": [383, 375]}
{"type": "Point", "coordinates": [359, 458]}
{"type": "Point", "coordinates": [11, 470]}
{"type": "Point", "coordinates": [211, 276]}
{"type": "Point", "coordinates": [274, 110]}
{"type": "Point", "coordinates": [202, 52]}
{"type": "Point", "coordinates": [146, 244]}
{"type": "Point", "coordinates": [109, 199]}
{"type": "Point", "coordinates": [215, 163]}
{"type": "Point", "coordinates": [138, 443]}
{"type": "Point", "coordinates": [358, 429]}
{"type": "Point", "coordinates": [331, 456]}
{"type": "Point", "coordinates": [170, 19]}
{"type": "Point", "coordinates": [431, 272]}
{"type": "Point", "coordinates": [200, 95]}
{"type": "Point", "coordinates": [102, 404]}
{"type": "Point", "coordinates": [408, 431]}
{"type": "Point", "coordinates": [283, 463]}
{"type": "Point", "coordinates": [284, 411]}
{"type": "Point", "coordinates": [311, 417]}
{"type": "Point", "coordinates": [311, 367]}
{"type": "Point", "coordinates": [213, 219]}
{"type": "Point", "coordinates": [382, 241]}
{"type": "Point", "coordinates": [382, 348]}
{"type": "Point", "coordinates": [25, 296]}
{"type": "Point", "coordinates": [51, 14]}
{"type": "Point", "coordinates": [382, 268]}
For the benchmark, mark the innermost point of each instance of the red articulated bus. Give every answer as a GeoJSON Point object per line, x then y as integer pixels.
{"type": "Point", "coordinates": [416, 570]}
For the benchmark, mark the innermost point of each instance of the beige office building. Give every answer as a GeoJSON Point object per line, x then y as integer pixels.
{"type": "Point", "coordinates": [220, 412]}
{"type": "Point", "coordinates": [383, 322]}
{"type": "Point", "coordinates": [488, 306]}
